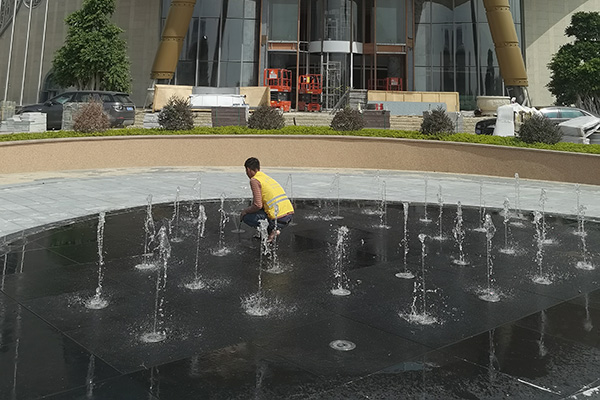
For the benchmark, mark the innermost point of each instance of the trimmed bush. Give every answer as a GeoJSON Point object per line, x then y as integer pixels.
{"type": "Point", "coordinates": [539, 129]}
{"type": "Point", "coordinates": [437, 122]}
{"type": "Point", "coordinates": [347, 119]}
{"type": "Point", "coordinates": [266, 117]}
{"type": "Point", "coordinates": [91, 118]}
{"type": "Point", "coordinates": [176, 115]}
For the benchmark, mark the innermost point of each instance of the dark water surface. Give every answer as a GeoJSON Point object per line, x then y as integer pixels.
{"type": "Point", "coordinates": [538, 341]}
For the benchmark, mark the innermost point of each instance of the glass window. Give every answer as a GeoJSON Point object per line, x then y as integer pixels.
{"type": "Point", "coordinates": [369, 21]}
{"type": "Point", "coordinates": [466, 80]}
{"type": "Point", "coordinates": [487, 50]}
{"type": "Point", "coordinates": [566, 113]}
{"type": "Point", "coordinates": [442, 11]}
{"type": "Point", "coordinates": [190, 43]}
{"type": "Point", "coordinates": [185, 73]}
{"type": "Point", "coordinates": [249, 74]}
{"type": "Point", "coordinates": [481, 13]}
{"type": "Point", "coordinates": [422, 78]}
{"type": "Point", "coordinates": [391, 21]}
{"type": "Point", "coordinates": [464, 11]}
{"type": "Point", "coordinates": [121, 98]}
{"type": "Point", "coordinates": [208, 34]}
{"type": "Point", "coordinates": [250, 9]}
{"type": "Point", "coordinates": [390, 66]}
{"type": "Point", "coordinates": [249, 39]}
{"type": "Point", "coordinates": [83, 97]}
{"type": "Point", "coordinates": [357, 20]}
{"type": "Point", "coordinates": [358, 75]}
{"type": "Point", "coordinates": [422, 11]}
{"type": "Point", "coordinates": [283, 20]}
{"type": "Point", "coordinates": [235, 8]}
{"type": "Point", "coordinates": [443, 45]}
{"type": "Point", "coordinates": [210, 8]}
{"type": "Point", "coordinates": [441, 80]}
{"type": "Point", "coordinates": [232, 39]}
{"type": "Point", "coordinates": [465, 45]}
{"type": "Point", "coordinates": [230, 74]}
{"type": "Point", "coordinates": [337, 20]}
{"type": "Point", "coordinates": [63, 98]}
{"type": "Point", "coordinates": [207, 74]}
{"type": "Point", "coordinates": [492, 82]}
{"type": "Point", "coordinates": [422, 48]}
{"type": "Point", "coordinates": [316, 20]}
{"type": "Point", "coordinates": [551, 114]}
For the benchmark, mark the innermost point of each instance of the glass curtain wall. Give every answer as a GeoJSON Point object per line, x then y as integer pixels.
{"type": "Point", "coordinates": [390, 34]}
{"type": "Point", "coordinates": [221, 48]}
{"type": "Point", "coordinates": [454, 50]}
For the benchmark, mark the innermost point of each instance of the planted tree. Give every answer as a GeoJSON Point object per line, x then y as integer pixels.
{"type": "Point", "coordinates": [94, 56]}
{"type": "Point", "coordinates": [347, 119]}
{"type": "Point", "coordinates": [176, 115]}
{"type": "Point", "coordinates": [91, 117]}
{"type": "Point", "coordinates": [539, 129]}
{"type": "Point", "coordinates": [266, 117]}
{"type": "Point", "coordinates": [575, 68]}
{"type": "Point", "coordinates": [437, 122]}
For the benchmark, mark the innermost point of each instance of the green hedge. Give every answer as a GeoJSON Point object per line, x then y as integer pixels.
{"type": "Point", "coordinates": [313, 130]}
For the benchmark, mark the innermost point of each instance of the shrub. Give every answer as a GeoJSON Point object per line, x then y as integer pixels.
{"type": "Point", "coordinates": [539, 129]}
{"type": "Point", "coordinates": [176, 115]}
{"type": "Point", "coordinates": [347, 119]}
{"type": "Point", "coordinates": [91, 118]}
{"type": "Point", "coordinates": [437, 122]}
{"type": "Point", "coordinates": [266, 117]}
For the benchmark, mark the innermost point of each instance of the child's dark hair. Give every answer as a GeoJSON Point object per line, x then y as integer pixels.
{"type": "Point", "coordinates": [253, 164]}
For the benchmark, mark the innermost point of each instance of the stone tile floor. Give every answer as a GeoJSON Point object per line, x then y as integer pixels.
{"type": "Point", "coordinates": [30, 200]}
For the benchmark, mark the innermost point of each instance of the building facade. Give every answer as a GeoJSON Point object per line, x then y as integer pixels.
{"type": "Point", "coordinates": [429, 45]}
{"type": "Point", "coordinates": [424, 45]}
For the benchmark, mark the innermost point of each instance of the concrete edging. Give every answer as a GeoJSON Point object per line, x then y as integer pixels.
{"type": "Point", "coordinates": [297, 151]}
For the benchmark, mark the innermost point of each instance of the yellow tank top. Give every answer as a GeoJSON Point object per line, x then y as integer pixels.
{"type": "Point", "coordinates": [273, 194]}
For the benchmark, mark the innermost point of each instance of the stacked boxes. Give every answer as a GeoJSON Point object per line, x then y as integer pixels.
{"type": "Point", "coordinates": [7, 109]}
{"type": "Point", "coordinates": [151, 120]}
{"type": "Point", "coordinates": [28, 122]}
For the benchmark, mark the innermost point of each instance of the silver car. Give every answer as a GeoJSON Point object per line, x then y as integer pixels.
{"type": "Point", "coordinates": [117, 105]}
{"type": "Point", "coordinates": [558, 114]}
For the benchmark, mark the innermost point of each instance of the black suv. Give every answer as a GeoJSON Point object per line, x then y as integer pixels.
{"type": "Point", "coordinates": [118, 106]}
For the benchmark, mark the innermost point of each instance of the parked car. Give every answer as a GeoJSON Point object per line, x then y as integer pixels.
{"type": "Point", "coordinates": [562, 114]}
{"type": "Point", "coordinates": [118, 106]}
{"type": "Point", "coordinates": [485, 126]}
{"type": "Point", "coordinates": [555, 114]}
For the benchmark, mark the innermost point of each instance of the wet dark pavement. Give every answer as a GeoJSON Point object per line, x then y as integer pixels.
{"type": "Point", "coordinates": [538, 341]}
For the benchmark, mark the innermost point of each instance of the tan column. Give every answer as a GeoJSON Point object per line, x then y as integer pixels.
{"type": "Point", "coordinates": [176, 27]}
{"type": "Point", "coordinates": [506, 42]}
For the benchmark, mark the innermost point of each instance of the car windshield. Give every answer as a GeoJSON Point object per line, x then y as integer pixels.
{"type": "Point", "coordinates": [122, 98]}
{"type": "Point", "coordinates": [566, 113]}
{"type": "Point", "coordinates": [62, 99]}
{"type": "Point", "coordinates": [551, 113]}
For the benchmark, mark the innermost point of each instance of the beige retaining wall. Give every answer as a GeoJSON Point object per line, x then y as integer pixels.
{"type": "Point", "coordinates": [297, 151]}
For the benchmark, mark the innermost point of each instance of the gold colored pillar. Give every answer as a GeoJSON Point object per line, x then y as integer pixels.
{"type": "Point", "coordinates": [176, 27]}
{"type": "Point", "coordinates": [506, 42]}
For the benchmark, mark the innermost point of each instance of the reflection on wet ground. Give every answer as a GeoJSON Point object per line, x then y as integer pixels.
{"type": "Point", "coordinates": [538, 341]}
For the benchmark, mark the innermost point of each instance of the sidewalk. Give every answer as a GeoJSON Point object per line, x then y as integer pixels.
{"type": "Point", "coordinates": [33, 200]}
